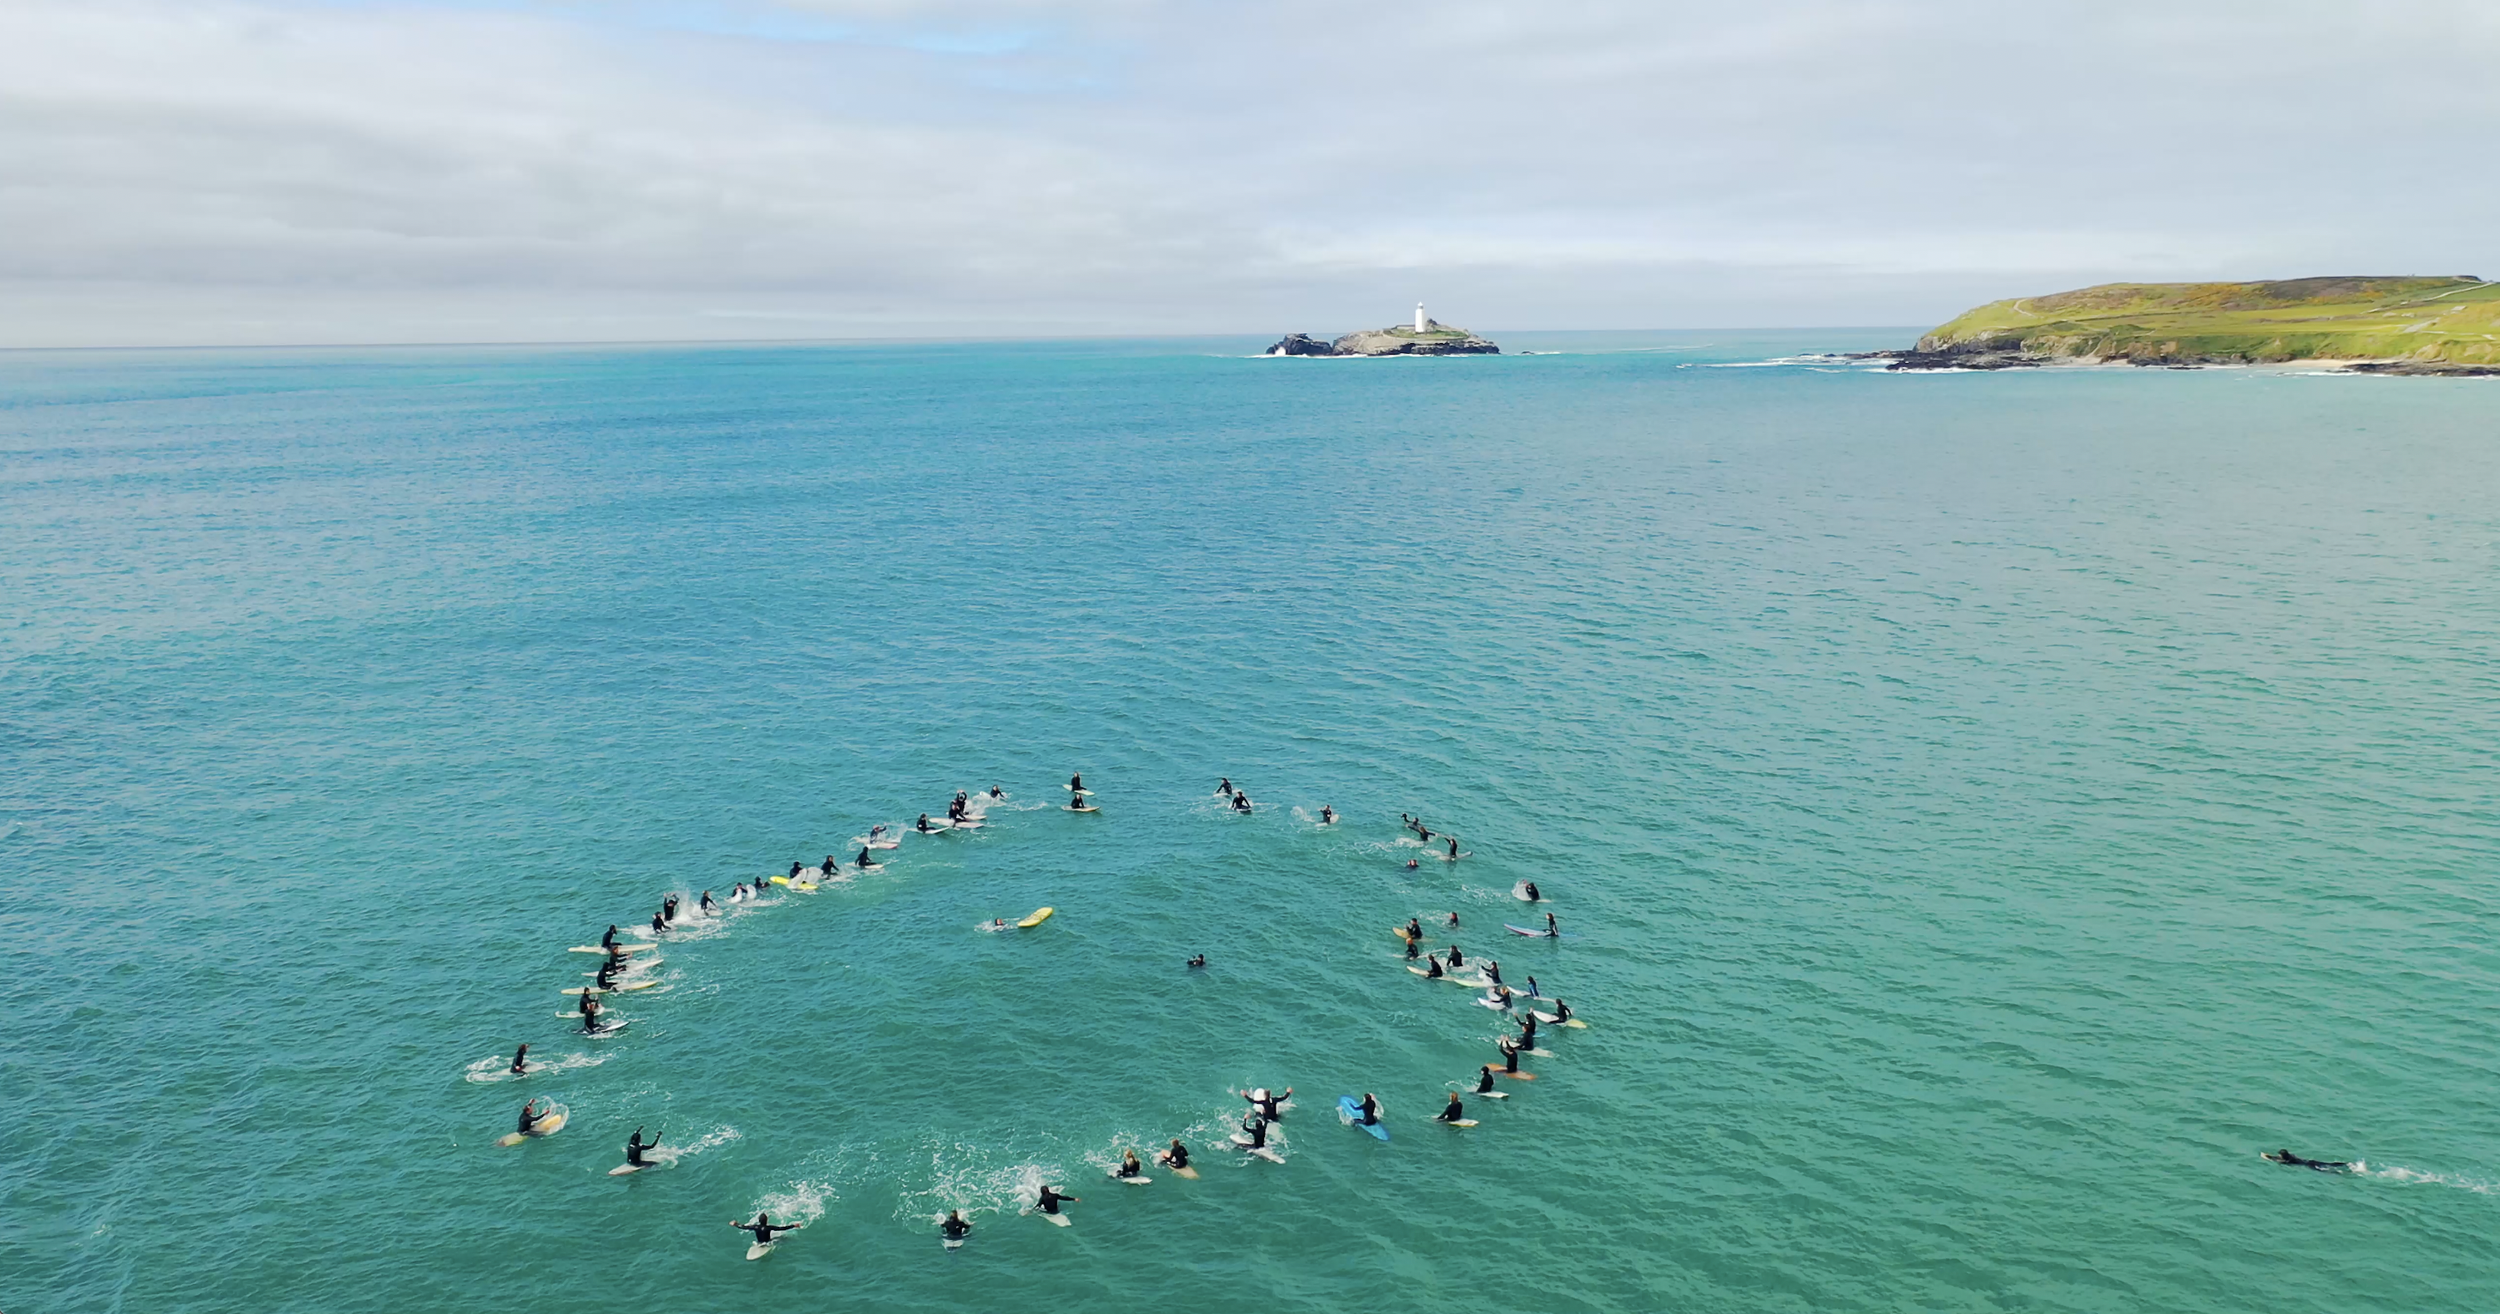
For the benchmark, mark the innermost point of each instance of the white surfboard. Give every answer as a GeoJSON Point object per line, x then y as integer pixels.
{"type": "Point", "coordinates": [629, 1169]}
{"type": "Point", "coordinates": [761, 1249]}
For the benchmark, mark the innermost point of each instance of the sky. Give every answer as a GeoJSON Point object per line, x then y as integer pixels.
{"type": "Point", "coordinates": [369, 171]}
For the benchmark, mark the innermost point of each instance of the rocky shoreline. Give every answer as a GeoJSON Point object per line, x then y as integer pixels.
{"type": "Point", "coordinates": [2012, 356]}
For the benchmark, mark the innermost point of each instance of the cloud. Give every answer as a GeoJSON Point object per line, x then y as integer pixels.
{"type": "Point", "coordinates": [239, 170]}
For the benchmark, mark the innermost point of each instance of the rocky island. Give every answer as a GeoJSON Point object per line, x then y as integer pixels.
{"type": "Point", "coordinates": [1425, 337]}
{"type": "Point", "coordinates": [2378, 325]}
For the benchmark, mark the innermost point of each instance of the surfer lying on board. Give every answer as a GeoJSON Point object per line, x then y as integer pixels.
{"type": "Point", "coordinates": [635, 1146]}
{"type": "Point", "coordinates": [956, 1227]}
{"type": "Point", "coordinates": [1048, 1201]}
{"type": "Point", "coordinates": [1177, 1157]}
{"type": "Point", "coordinates": [520, 1062]}
{"type": "Point", "coordinates": [1453, 1111]}
{"type": "Point", "coordinates": [2291, 1160]}
{"type": "Point", "coordinates": [764, 1227]}
{"type": "Point", "coordinates": [1129, 1166]}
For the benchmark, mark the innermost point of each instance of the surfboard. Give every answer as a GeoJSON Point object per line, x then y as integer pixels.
{"type": "Point", "coordinates": [966, 824]}
{"type": "Point", "coordinates": [1040, 915]}
{"type": "Point", "coordinates": [1074, 808]}
{"type": "Point", "coordinates": [1267, 1153]}
{"type": "Point", "coordinates": [1426, 973]}
{"type": "Point", "coordinates": [1055, 1220]}
{"type": "Point", "coordinates": [629, 1169]}
{"type": "Point", "coordinates": [1522, 930]}
{"type": "Point", "coordinates": [1400, 933]}
{"type": "Point", "coordinates": [761, 1249]}
{"type": "Point", "coordinates": [605, 1030]}
{"type": "Point", "coordinates": [1515, 1076]}
{"type": "Point", "coordinates": [1350, 1112]}
{"type": "Point", "coordinates": [594, 949]}
{"type": "Point", "coordinates": [1180, 1172]}
{"type": "Point", "coordinates": [1077, 791]}
{"type": "Point", "coordinates": [781, 880]}
{"type": "Point", "coordinates": [1139, 1180]}
{"type": "Point", "coordinates": [1456, 1122]}
{"type": "Point", "coordinates": [1496, 1005]}
{"type": "Point", "coordinates": [548, 1124]}
{"type": "Point", "coordinates": [612, 990]}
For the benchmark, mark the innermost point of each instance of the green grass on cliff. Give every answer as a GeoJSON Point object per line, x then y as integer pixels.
{"type": "Point", "coordinates": [2443, 319]}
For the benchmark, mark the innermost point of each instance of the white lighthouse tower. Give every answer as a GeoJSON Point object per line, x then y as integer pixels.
{"type": "Point", "coordinates": [1420, 321]}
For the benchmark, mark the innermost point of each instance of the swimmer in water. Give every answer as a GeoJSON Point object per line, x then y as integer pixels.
{"type": "Point", "coordinates": [1369, 1110]}
{"type": "Point", "coordinates": [1453, 1112]}
{"type": "Point", "coordinates": [1412, 864]}
{"type": "Point", "coordinates": [2291, 1160]}
{"type": "Point", "coordinates": [1327, 815]}
{"type": "Point", "coordinates": [1049, 1200]}
{"type": "Point", "coordinates": [1453, 921]}
{"type": "Point", "coordinates": [1129, 1166]}
{"type": "Point", "coordinates": [955, 1227]}
{"type": "Point", "coordinates": [1199, 961]}
{"type": "Point", "coordinates": [636, 1147]}
{"type": "Point", "coordinates": [520, 1062]}
{"type": "Point", "coordinates": [529, 1118]}
{"type": "Point", "coordinates": [1177, 1157]}
{"type": "Point", "coordinates": [764, 1229]}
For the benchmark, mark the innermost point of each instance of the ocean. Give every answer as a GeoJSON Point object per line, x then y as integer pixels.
{"type": "Point", "coordinates": [1986, 811]}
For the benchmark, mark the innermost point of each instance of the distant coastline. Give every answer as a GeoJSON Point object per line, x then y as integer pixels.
{"type": "Point", "coordinates": [2365, 325]}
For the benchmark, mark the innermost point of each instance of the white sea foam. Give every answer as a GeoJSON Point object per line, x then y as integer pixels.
{"type": "Point", "coordinates": [2399, 1173]}
{"type": "Point", "coordinates": [499, 1067]}
{"type": "Point", "coordinates": [669, 1155]}
{"type": "Point", "coordinates": [800, 1202]}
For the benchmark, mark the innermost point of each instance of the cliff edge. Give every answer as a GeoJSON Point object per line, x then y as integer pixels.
{"type": "Point", "coordinates": [2391, 325]}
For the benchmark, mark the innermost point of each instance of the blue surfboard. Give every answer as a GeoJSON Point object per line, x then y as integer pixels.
{"type": "Point", "coordinates": [1350, 1108]}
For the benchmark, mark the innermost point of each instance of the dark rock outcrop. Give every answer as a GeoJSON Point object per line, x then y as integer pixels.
{"type": "Point", "coordinates": [1303, 344]}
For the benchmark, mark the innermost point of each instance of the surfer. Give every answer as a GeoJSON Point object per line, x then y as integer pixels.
{"type": "Point", "coordinates": [616, 953]}
{"type": "Point", "coordinates": [529, 1118]}
{"type": "Point", "coordinates": [1425, 833]}
{"type": "Point", "coordinates": [1256, 1126]}
{"type": "Point", "coordinates": [1510, 1055]}
{"type": "Point", "coordinates": [707, 904]}
{"type": "Point", "coordinates": [1411, 950]}
{"type": "Point", "coordinates": [955, 1227]}
{"type": "Point", "coordinates": [1550, 928]}
{"type": "Point", "coordinates": [1529, 888]}
{"type": "Point", "coordinates": [1453, 850]}
{"type": "Point", "coordinates": [1129, 1166]}
{"type": "Point", "coordinates": [764, 1228]}
{"type": "Point", "coordinates": [864, 863]}
{"type": "Point", "coordinates": [1527, 1032]}
{"type": "Point", "coordinates": [2291, 1160]}
{"type": "Point", "coordinates": [1175, 1158]}
{"type": "Point", "coordinates": [608, 941]}
{"type": "Point", "coordinates": [831, 862]}
{"type": "Point", "coordinates": [923, 825]}
{"type": "Point", "coordinates": [1199, 961]}
{"type": "Point", "coordinates": [636, 1146]}
{"type": "Point", "coordinates": [1412, 864]}
{"type": "Point", "coordinates": [1414, 929]}
{"type": "Point", "coordinates": [1076, 783]}
{"type": "Point", "coordinates": [1500, 995]}
{"type": "Point", "coordinates": [1484, 1078]}
{"type": "Point", "coordinates": [668, 908]}
{"type": "Point", "coordinates": [608, 972]}
{"type": "Point", "coordinates": [1432, 966]}
{"type": "Point", "coordinates": [1269, 1106]}
{"type": "Point", "coordinates": [1048, 1201]}
{"type": "Point", "coordinates": [998, 923]}
{"type": "Point", "coordinates": [1457, 959]}
{"type": "Point", "coordinates": [1562, 1012]}
{"type": "Point", "coordinates": [1453, 1112]}
{"type": "Point", "coordinates": [1327, 815]}
{"type": "Point", "coordinates": [1453, 921]}
{"type": "Point", "coordinates": [1531, 991]}
{"type": "Point", "coordinates": [520, 1062]}
{"type": "Point", "coordinates": [1370, 1109]}
{"type": "Point", "coordinates": [996, 792]}
{"type": "Point", "coordinates": [1493, 971]}
{"type": "Point", "coordinates": [658, 924]}
{"type": "Point", "coordinates": [1224, 786]}
{"type": "Point", "coordinates": [796, 868]}
{"type": "Point", "coordinates": [590, 1016]}
{"type": "Point", "coordinates": [1241, 802]}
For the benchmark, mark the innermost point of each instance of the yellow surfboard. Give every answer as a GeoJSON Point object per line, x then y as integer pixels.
{"type": "Point", "coordinates": [1040, 915]}
{"type": "Point", "coordinates": [781, 880]}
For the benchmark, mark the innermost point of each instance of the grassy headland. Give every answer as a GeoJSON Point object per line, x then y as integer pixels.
{"type": "Point", "coordinates": [2435, 323]}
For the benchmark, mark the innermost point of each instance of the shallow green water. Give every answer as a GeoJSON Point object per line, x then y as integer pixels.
{"type": "Point", "coordinates": [1992, 809]}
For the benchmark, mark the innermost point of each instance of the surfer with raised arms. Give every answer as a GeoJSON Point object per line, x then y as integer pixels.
{"type": "Point", "coordinates": [1175, 1158]}
{"type": "Point", "coordinates": [1510, 1055]}
{"type": "Point", "coordinates": [1048, 1201]}
{"type": "Point", "coordinates": [520, 1062]}
{"type": "Point", "coordinates": [1256, 1126]}
{"type": "Point", "coordinates": [1453, 1112]}
{"type": "Point", "coordinates": [668, 909]}
{"type": "Point", "coordinates": [955, 1227]}
{"type": "Point", "coordinates": [1270, 1106]}
{"type": "Point", "coordinates": [636, 1146]}
{"type": "Point", "coordinates": [2291, 1160]}
{"type": "Point", "coordinates": [764, 1228]}
{"type": "Point", "coordinates": [1129, 1166]}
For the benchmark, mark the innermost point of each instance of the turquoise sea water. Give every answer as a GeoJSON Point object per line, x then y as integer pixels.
{"type": "Point", "coordinates": [1991, 809]}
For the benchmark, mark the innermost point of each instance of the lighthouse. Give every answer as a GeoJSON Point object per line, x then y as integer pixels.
{"type": "Point", "coordinates": [1419, 317]}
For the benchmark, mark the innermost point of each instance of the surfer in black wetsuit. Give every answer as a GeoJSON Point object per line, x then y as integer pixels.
{"type": "Point", "coordinates": [1224, 786]}
{"type": "Point", "coordinates": [608, 972]}
{"type": "Point", "coordinates": [529, 1118]}
{"type": "Point", "coordinates": [923, 825]}
{"type": "Point", "coordinates": [1269, 1106]}
{"type": "Point", "coordinates": [608, 941]}
{"type": "Point", "coordinates": [617, 952]}
{"type": "Point", "coordinates": [1453, 1112]}
{"type": "Point", "coordinates": [658, 924]}
{"type": "Point", "coordinates": [1411, 951]}
{"type": "Point", "coordinates": [796, 868]}
{"type": "Point", "coordinates": [1370, 1110]}
{"type": "Point", "coordinates": [1414, 928]}
{"type": "Point", "coordinates": [1493, 971]}
{"type": "Point", "coordinates": [520, 1062]}
{"type": "Point", "coordinates": [1453, 921]}
{"type": "Point", "coordinates": [1510, 1054]}
{"type": "Point", "coordinates": [1049, 1200]}
{"type": "Point", "coordinates": [1177, 1157]}
{"type": "Point", "coordinates": [1453, 850]}
{"type": "Point", "coordinates": [1562, 1012]}
{"type": "Point", "coordinates": [955, 1227]}
{"type": "Point", "coordinates": [1327, 815]}
{"type": "Point", "coordinates": [763, 1229]}
{"type": "Point", "coordinates": [635, 1146]}
{"type": "Point", "coordinates": [1527, 1031]}
{"type": "Point", "coordinates": [1413, 863]}
{"type": "Point", "coordinates": [1129, 1166]}
{"type": "Point", "coordinates": [1432, 966]}
{"type": "Point", "coordinates": [1484, 1078]}
{"type": "Point", "coordinates": [1256, 1126]}
{"type": "Point", "coordinates": [864, 863]}
{"type": "Point", "coordinates": [707, 905]}
{"type": "Point", "coordinates": [1199, 961]}
{"type": "Point", "coordinates": [2291, 1160]}
{"type": "Point", "coordinates": [832, 862]}
{"type": "Point", "coordinates": [996, 792]}
{"type": "Point", "coordinates": [1550, 928]}
{"type": "Point", "coordinates": [1241, 802]}
{"type": "Point", "coordinates": [1529, 888]}
{"type": "Point", "coordinates": [668, 909]}
{"type": "Point", "coordinates": [1076, 783]}
{"type": "Point", "coordinates": [1457, 959]}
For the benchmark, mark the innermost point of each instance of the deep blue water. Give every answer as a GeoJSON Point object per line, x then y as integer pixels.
{"type": "Point", "coordinates": [1991, 810]}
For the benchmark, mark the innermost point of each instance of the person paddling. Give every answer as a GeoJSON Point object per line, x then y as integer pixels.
{"type": "Point", "coordinates": [636, 1146]}
{"type": "Point", "coordinates": [1050, 1199]}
